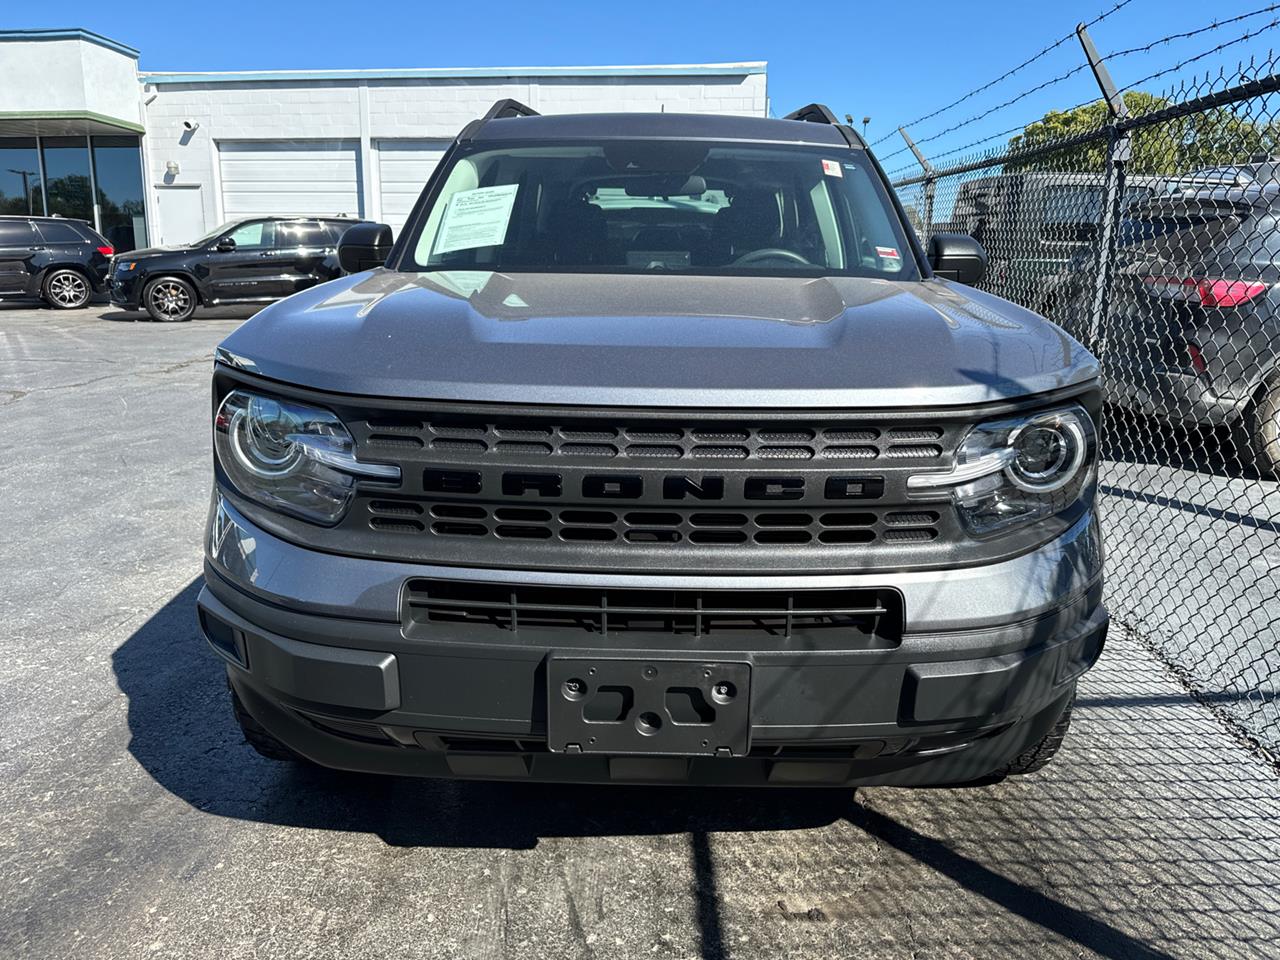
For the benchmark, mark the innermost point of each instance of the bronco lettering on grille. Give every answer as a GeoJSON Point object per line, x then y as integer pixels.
{"type": "Point", "coordinates": [625, 486]}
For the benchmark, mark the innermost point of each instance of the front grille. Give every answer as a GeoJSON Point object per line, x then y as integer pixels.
{"type": "Point", "coordinates": [860, 619]}
{"type": "Point", "coordinates": [452, 439]}
{"type": "Point", "coordinates": [559, 487]}
{"type": "Point", "coordinates": [624, 490]}
{"type": "Point", "coordinates": [699, 527]}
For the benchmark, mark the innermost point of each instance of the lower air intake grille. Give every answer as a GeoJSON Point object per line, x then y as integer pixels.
{"type": "Point", "coordinates": [874, 615]}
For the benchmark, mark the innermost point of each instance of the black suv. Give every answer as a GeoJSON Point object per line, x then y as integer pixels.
{"type": "Point", "coordinates": [64, 262]}
{"type": "Point", "coordinates": [256, 260]}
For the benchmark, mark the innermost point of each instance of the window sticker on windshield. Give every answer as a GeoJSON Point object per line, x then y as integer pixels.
{"type": "Point", "coordinates": [476, 218]}
{"type": "Point", "coordinates": [888, 253]}
{"type": "Point", "coordinates": [832, 168]}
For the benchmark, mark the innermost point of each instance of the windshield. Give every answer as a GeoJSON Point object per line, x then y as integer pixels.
{"type": "Point", "coordinates": [643, 206]}
{"type": "Point", "coordinates": [216, 232]}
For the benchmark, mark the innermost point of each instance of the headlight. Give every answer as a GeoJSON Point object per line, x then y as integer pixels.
{"type": "Point", "coordinates": [124, 266]}
{"type": "Point", "coordinates": [1016, 471]}
{"type": "Point", "coordinates": [290, 456]}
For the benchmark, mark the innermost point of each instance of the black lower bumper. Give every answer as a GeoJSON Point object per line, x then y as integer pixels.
{"type": "Point", "coordinates": [125, 291]}
{"type": "Point", "coordinates": [939, 708]}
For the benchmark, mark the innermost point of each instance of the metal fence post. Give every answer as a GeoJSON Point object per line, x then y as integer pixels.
{"type": "Point", "coordinates": [930, 179]}
{"type": "Point", "coordinates": [1118, 153]}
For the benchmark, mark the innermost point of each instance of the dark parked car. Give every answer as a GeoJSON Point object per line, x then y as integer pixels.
{"type": "Point", "coordinates": [1192, 333]}
{"type": "Point", "coordinates": [255, 260]}
{"type": "Point", "coordinates": [658, 451]}
{"type": "Point", "coordinates": [63, 262]}
{"type": "Point", "coordinates": [1033, 224]}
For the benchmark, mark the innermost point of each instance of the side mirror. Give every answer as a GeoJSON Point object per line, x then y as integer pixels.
{"type": "Point", "coordinates": [364, 246]}
{"type": "Point", "coordinates": [957, 256]}
{"type": "Point", "coordinates": [225, 245]}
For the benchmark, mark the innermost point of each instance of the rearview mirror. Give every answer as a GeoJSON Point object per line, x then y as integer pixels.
{"type": "Point", "coordinates": [364, 246]}
{"type": "Point", "coordinates": [958, 257]}
{"type": "Point", "coordinates": [225, 245]}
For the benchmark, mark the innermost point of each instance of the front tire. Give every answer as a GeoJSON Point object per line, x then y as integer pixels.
{"type": "Point", "coordinates": [66, 290]}
{"type": "Point", "coordinates": [258, 737]}
{"type": "Point", "coordinates": [1263, 425]}
{"type": "Point", "coordinates": [1037, 757]}
{"type": "Point", "coordinates": [169, 300]}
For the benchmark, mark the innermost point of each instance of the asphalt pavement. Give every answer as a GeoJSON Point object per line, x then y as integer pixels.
{"type": "Point", "coordinates": [134, 821]}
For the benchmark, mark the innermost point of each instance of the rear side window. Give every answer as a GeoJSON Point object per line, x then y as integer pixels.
{"type": "Point", "coordinates": [17, 233]}
{"type": "Point", "coordinates": [336, 229]}
{"type": "Point", "coordinates": [307, 233]}
{"type": "Point", "coordinates": [54, 232]}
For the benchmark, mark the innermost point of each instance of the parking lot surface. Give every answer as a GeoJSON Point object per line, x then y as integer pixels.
{"type": "Point", "coordinates": [134, 821]}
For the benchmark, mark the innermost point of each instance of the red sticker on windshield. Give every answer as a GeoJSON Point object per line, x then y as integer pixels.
{"type": "Point", "coordinates": [889, 253]}
{"type": "Point", "coordinates": [832, 168]}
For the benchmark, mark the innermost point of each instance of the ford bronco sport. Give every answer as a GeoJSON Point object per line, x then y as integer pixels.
{"type": "Point", "coordinates": [655, 449]}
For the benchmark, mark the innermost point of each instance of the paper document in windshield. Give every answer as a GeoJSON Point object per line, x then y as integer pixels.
{"type": "Point", "coordinates": [476, 218]}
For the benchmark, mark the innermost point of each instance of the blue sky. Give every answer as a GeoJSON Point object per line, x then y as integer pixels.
{"type": "Point", "coordinates": [890, 61]}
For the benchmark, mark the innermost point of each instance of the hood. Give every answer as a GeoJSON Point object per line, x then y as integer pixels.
{"type": "Point", "coordinates": [153, 251]}
{"type": "Point", "coordinates": [655, 340]}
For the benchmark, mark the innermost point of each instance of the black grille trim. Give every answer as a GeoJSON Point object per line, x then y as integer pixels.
{"type": "Point", "coordinates": [658, 524]}
{"type": "Point", "coordinates": [454, 439]}
{"type": "Point", "coordinates": [862, 618]}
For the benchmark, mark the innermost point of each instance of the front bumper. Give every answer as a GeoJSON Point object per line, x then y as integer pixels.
{"type": "Point", "coordinates": [315, 650]}
{"type": "Point", "coordinates": [125, 289]}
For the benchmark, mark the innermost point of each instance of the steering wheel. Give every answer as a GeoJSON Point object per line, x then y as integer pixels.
{"type": "Point", "coordinates": [771, 253]}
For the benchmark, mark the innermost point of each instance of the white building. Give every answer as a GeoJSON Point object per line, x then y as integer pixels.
{"type": "Point", "coordinates": [165, 157]}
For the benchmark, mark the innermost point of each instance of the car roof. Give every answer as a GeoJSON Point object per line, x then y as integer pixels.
{"type": "Point", "coordinates": [658, 126]}
{"type": "Point", "coordinates": [38, 216]}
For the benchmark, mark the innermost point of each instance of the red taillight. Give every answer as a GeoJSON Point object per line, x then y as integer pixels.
{"type": "Point", "coordinates": [1228, 293]}
{"type": "Point", "coordinates": [1209, 291]}
{"type": "Point", "coordinates": [106, 251]}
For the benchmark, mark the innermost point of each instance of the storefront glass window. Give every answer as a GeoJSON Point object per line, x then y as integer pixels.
{"type": "Point", "coordinates": [66, 170]}
{"type": "Point", "coordinates": [117, 168]}
{"type": "Point", "coordinates": [20, 177]}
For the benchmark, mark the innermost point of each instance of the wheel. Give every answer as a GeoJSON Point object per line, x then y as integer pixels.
{"type": "Point", "coordinates": [1038, 756]}
{"type": "Point", "coordinates": [1263, 426]}
{"type": "Point", "coordinates": [66, 289]}
{"type": "Point", "coordinates": [256, 735]}
{"type": "Point", "coordinates": [169, 299]}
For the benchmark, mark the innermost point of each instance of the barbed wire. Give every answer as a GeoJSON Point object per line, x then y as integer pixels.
{"type": "Point", "coordinates": [1114, 55]}
{"type": "Point", "coordinates": [1200, 56]}
{"type": "Point", "coordinates": [1005, 76]}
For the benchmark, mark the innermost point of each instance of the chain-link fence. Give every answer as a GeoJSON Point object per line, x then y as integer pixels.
{"type": "Point", "coordinates": [1148, 227]}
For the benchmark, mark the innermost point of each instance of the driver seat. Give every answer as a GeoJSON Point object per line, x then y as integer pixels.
{"type": "Point", "coordinates": [752, 221]}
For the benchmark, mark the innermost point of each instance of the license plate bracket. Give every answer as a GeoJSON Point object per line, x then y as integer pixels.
{"type": "Point", "coordinates": [652, 707]}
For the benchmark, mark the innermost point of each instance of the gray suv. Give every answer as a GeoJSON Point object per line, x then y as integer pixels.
{"type": "Point", "coordinates": [656, 449]}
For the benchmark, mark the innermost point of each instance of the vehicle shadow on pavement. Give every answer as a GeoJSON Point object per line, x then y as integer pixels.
{"type": "Point", "coordinates": [202, 313]}
{"type": "Point", "coordinates": [184, 735]}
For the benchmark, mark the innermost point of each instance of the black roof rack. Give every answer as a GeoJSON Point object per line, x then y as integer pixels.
{"type": "Point", "coordinates": [504, 109]}
{"type": "Point", "coordinates": [821, 113]}
{"type": "Point", "coordinates": [814, 113]}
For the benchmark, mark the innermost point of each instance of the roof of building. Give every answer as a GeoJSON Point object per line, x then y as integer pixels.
{"type": "Point", "coordinates": [68, 33]}
{"type": "Point", "coordinates": [453, 73]}
{"type": "Point", "coordinates": [684, 126]}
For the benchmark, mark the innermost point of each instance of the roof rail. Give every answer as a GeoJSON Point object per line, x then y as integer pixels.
{"type": "Point", "coordinates": [814, 113]}
{"type": "Point", "coordinates": [509, 108]}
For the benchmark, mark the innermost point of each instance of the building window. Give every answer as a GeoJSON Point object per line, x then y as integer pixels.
{"type": "Point", "coordinates": [20, 191]}
{"type": "Point", "coordinates": [117, 168]}
{"type": "Point", "coordinates": [67, 179]}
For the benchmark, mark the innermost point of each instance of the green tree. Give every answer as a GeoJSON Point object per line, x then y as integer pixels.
{"type": "Point", "coordinates": [1172, 147]}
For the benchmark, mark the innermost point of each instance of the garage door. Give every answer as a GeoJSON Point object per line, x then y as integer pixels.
{"type": "Point", "coordinates": [403, 168]}
{"type": "Point", "coordinates": [291, 178]}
